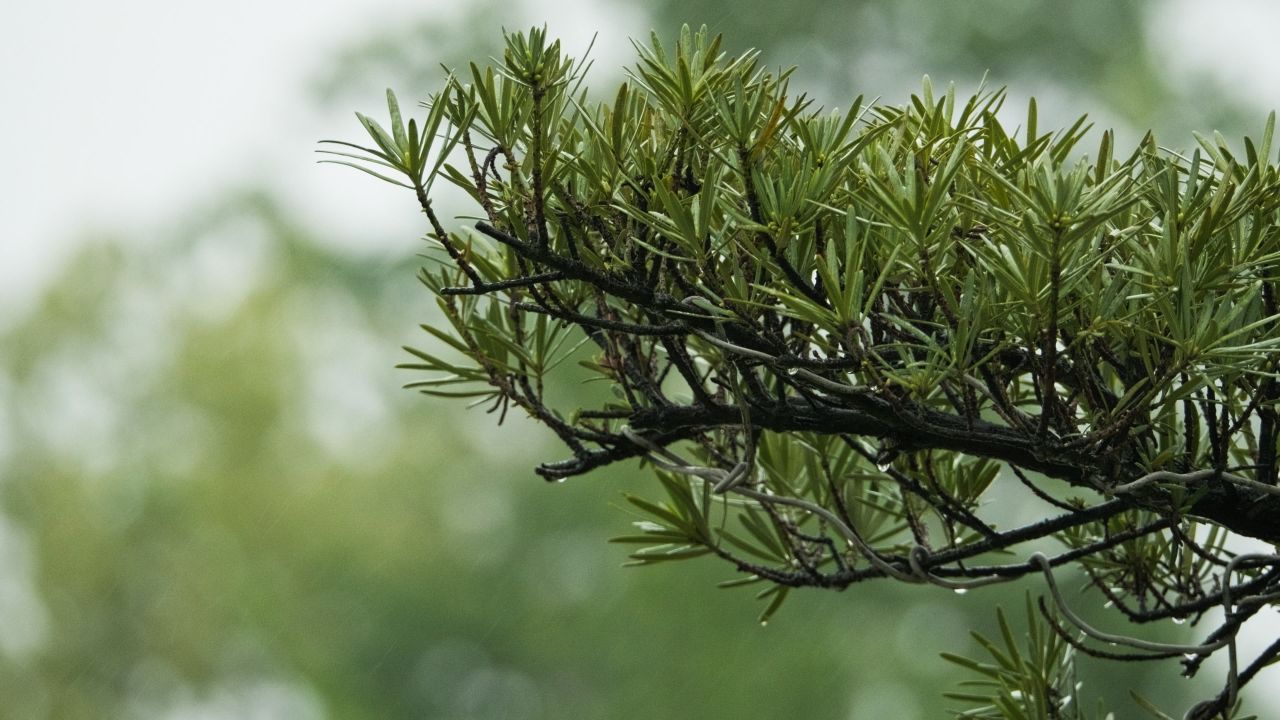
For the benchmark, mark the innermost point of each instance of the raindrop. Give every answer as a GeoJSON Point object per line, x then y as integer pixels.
{"type": "Point", "coordinates": [764, 623]}
{"type": "Point", "coordinates": [961, 591]}
{"type": "Point", "coordinates": [560, 480]}
{"type": "Point", "coordinates": [884, 466]}
{"type": "Point", "coordinates": [793, 371]}
{"type": "Point", "coordinates": [1189, 656]}
{"type": "Point", "coordinates": [1179, 621]}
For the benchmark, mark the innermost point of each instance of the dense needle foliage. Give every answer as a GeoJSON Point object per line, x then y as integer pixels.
{"type": "Point", "coordinates": [832, 332]}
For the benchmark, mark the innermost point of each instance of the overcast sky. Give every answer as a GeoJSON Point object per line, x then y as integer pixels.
{"type": "Point", "coordinates": [122, 115]}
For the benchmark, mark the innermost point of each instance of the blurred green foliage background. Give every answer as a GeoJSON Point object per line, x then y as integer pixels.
{"type": "Point", "coordinates": [216, 502]}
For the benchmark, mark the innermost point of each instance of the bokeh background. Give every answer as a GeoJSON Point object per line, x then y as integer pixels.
{"type": "Point", "coordinates": [216, 502]}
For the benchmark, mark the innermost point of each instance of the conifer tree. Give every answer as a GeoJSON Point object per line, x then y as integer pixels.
{"type": "Point", "coordinates": [845, 340]}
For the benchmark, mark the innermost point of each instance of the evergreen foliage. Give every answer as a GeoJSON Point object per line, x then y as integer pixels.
{"type": "Point", "coordinates": [833, 333]}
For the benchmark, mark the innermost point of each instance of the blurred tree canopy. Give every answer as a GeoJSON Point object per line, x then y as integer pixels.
{"type": "Point", "coordinates": [221, 504]}
{"type": "Point", "coordinates": [218, 543]}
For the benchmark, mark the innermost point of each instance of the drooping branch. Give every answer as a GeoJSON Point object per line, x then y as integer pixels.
{"type": "Point", "coordinates": [770, 291]}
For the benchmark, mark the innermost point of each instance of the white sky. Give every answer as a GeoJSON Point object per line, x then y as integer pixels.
{"type": "Point", "coordinates": [1230, 42]}
{"type": "Point", "coordinates": [122, 115]}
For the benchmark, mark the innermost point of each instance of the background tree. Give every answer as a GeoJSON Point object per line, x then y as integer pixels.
{"type": "Point", "coordinates": [767, 287]}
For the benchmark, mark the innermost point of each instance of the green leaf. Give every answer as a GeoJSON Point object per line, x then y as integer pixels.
{"type": "Point", "coordinates": [397, 125]}
{"type": "Point", "coordinates": [1150, 707]}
